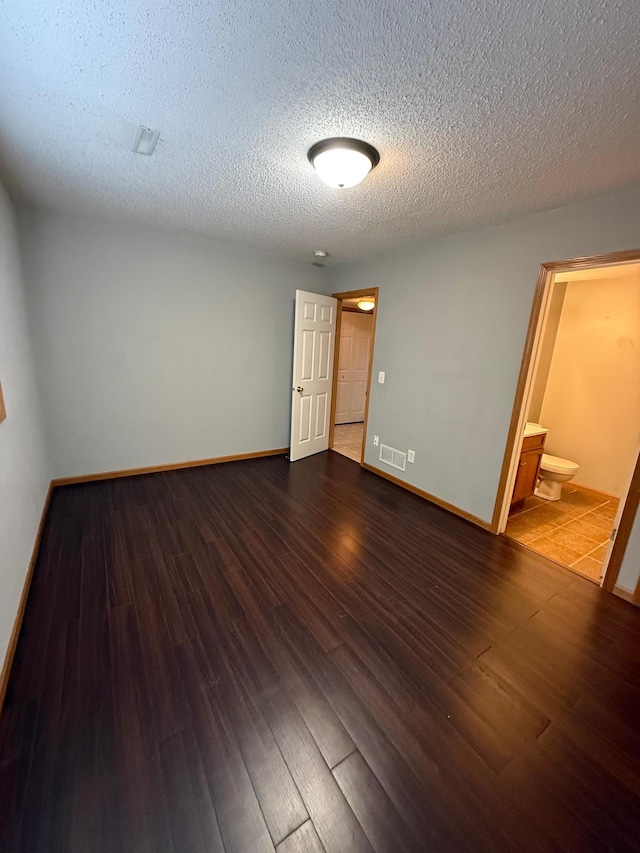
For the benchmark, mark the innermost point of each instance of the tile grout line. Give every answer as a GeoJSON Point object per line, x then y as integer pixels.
{"type": "Point", "coordinates": [567, 523]}
{"type": "Point", "coordinates": [604, 544]}
{"type": "Point", "coordinates": [573, 518]}
{"type": "Point", "coordinates": [582, 515]}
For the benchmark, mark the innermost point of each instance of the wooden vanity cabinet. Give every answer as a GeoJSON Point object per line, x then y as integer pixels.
{"type": "Point", "coordinates": [528, 467]}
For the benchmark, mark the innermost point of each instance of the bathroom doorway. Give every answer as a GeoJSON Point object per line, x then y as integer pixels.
{"type": "Point", "coordinates": [576, 439]}
{"type": "Point", "coordinates": [352, 372]}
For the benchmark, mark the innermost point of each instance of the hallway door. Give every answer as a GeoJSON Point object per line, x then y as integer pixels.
{"type": "Point", "coordinates": [353, 367]}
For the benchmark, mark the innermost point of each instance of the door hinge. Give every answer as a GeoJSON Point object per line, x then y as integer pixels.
{"type": "Point", "coordinates": [613, 533]}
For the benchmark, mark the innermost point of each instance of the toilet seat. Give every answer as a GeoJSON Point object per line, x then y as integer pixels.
{"type": "Point", "coordinates": [558, 465]}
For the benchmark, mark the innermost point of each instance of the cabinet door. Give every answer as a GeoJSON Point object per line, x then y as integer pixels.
{"type": "Point", "coordinates": [527, 476]}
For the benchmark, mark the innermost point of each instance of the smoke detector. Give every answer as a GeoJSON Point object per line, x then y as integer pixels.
{"type": "Point", "coordinates": [146, 140]}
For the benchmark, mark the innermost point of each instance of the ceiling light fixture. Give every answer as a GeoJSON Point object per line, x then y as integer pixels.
{"type": "Point", "coordinates": [366, 305]}
{"type": "Point", "coordinates": [342, 162]}
{"type": "Point", "coordinates": [320, 253]}
{"type": "Point", "coordinates": [146, 140]}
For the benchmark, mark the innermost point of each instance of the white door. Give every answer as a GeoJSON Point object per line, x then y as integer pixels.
{"type": "Point", "coordinates": [313, 347]}
{"type": "Point", "coordinates": [353, 367]}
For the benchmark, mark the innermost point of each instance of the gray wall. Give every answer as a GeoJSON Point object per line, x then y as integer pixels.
{"type": "Point", "coordinates": [452, 321]}
{"type": "Point", "coordinates": [24, 471]}
{"type": "Point", "coordinates": [154, 347]}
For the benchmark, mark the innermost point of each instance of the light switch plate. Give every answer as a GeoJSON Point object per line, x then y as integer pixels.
{"type": "Point", "coordinates": [381, 377]}
{"type": "Point", "coordinates": [411, 456]}
{"type": "Point", "coordinates": [376, 440]}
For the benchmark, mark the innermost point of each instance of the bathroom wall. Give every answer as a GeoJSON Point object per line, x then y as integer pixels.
{"type": "Point", "coordinates": [591, 405]}
{"type": "Point", "coordinates": [546, 351]}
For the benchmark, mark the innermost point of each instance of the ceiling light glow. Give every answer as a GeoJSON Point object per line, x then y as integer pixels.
{"type": "Point", "coordinates": [342, 162]}
{"type": "Point", "coordinates": [366, 305]}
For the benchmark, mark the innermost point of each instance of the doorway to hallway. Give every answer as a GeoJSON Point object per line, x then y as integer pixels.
{"type": "Point", "coordinates": [347, 440]}
{"type": "Point", "coordinates": [352, 372]}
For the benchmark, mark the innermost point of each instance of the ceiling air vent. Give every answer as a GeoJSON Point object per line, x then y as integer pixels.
{"type": "Point", "coordinates": [393, 457]}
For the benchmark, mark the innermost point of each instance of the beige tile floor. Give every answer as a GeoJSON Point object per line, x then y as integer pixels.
{"type": "Point", "coordinates": [573, 531]}
{"type": "Point", "coordinates": [347, 440]}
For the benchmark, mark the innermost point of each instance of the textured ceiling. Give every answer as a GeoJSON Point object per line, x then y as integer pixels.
{"type": "Point", "coordinates": [482, 111]}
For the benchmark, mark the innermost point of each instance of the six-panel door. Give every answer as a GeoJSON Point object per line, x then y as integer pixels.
{"type": "Point", "coordinates": [353, 367]}
{"type": "Point", "coordinates": [313, 352]}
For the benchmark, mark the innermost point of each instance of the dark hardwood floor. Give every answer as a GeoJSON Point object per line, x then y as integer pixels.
{"type": "Point", "coordinates": [304, 657]}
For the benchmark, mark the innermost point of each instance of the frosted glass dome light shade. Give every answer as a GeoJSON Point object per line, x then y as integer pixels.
{"type": "Point", "coordinates": [342, 168]}
{"type": "Point", "coordinates": [341, 162]}
{"type": "Point", "coordinates": [366, 305]}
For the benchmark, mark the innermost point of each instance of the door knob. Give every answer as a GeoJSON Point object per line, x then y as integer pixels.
{"type": "Point", "coordinates": [299, 389]}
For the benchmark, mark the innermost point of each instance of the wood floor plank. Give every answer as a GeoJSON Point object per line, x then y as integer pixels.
{"type": "Point", "coordinates": [331, 737]}
{"type": "Point", "coordinates": [404, 781]}
{"type": "Point", "coordinates": [280, 801]}
{"type": "Point", "coordinates": [142, 814]}
{"type": "Point", "coordinates": [259, 655]}
{"type": "Point", "coordinates": [282, 806]}
{"type": "Point", "coordinates": [166, 709]}
{"type": "Point", "coordinates": [405, 677]}
{"type": "Point", "coordinates": [303, 840]}
{"type": "Point", "coordinates": [373, 808]}
{"type": "Point", "coordinates": [332, 817]}
{"type": "Point", "coordinates": [192, 817]}
{"type": "Point", "coordinates": [94, 657]}
{"type": "Point", "coordinates": [239, 815]}
{"type": "Point", "coordinates": [47, 747]}
{"type": "Point", "coordinates": [18, 726]}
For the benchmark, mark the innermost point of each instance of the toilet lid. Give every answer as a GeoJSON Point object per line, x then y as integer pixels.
{"type": "Point", "coordinates": [557, 464]}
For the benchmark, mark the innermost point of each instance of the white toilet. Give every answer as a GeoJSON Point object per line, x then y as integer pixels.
{"type": "Point", "coordinates": [554, 471]}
